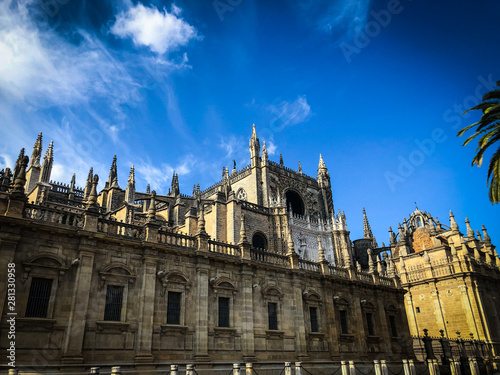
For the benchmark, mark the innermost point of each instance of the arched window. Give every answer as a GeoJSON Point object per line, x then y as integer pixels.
{"type": "Point", "coordinates": [259, 241]}
{"type": "Point", "coordinates": [294, 202]}
{"type": "Point", "coordinates": [419, 221]}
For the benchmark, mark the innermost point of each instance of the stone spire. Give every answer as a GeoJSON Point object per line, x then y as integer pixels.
{"type": "Point", "coordinates": [321, 165]}
{"type": "Point", "coordinates": [175, 191]}
{"type": "Point", "coordinates": [470, 231]}
{"type": "Point", "coordinates": [392, 237]}
{"type": "Point", "coordinates": [486, 237]}
{"type": "Point", "coordinates": [265, 157]}
{"type": "Point", "coordinates": [323, 176]}
{"type": "Point", "coordinates": [92, 201]}
{"type": "Point", "coordinates": [37, 152]}
{"type": "Point", "coordinates": [367, 230]}
{"type": "Point", "coordinates": [113, 174]}
{"type": "Point", "coordinates": [479, 235]}
{"type": "Point", "coordinates": [281, 160]}
{"type": "Point", "coordinates": [130, 190]}
{"type": "Point", "coordinates": [72, 187]}
{"type": "Point", "coordinates": [300, 168]}
{"type": "Point", "coordinates": [88, 184]}
{"type": "Point", "coordinates": [254, 147]}
{"type": "Point", "coordinates": [453, 223]}
{"type": "Point", "coordinates": [48, 160]}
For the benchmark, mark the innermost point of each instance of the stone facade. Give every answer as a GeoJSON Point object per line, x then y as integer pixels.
{"type": "Point", "coordinates": [453, 280]}
{"type": "Point", "coordinates": [256, 268]}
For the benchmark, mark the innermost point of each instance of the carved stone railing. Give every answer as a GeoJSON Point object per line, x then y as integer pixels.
{"type": "Point", "coordinates": [387, 281]}
{"type": "Point", "coordinates": [339, 272]}
{"type": "Point", "coordinates": [364, 277]}
{"type": "Point", "coordinates": [53, 215]}
{"type": "Point", "coordinates": [117, 228]}
{"type": "Point", "coordinates": [269, 257]}
{"type": "Point", "coordinates": [416, 275]}
{"type": "Point", "coordinates": [254, 207]}
{"type": "Point", "coordinates": [309, 265]}
{"type": "Point", "coordinates": [176, 239]}
{"type": "Point", "coordinates": [223, 248]}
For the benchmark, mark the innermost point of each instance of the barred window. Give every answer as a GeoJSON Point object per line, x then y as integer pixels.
{"type": "Point", "coordinates": [343, 322]}
{"type": "Point", "coordinates": [174, 308]}
{"type": "Point", "coordinates": [313, 315]}
{"type": "Point", "coordinates": [394, 328]}
{"type": "Point", "coordinates": [369, 324]}
{"type": "Point", "coordinates": [224, 312]}
{"type": "Point", "coordinates": [114, 299]}
{"type": "Point", "coordinates": [38, 299]}
{"type": "Point", "coordinates": [272, 313]}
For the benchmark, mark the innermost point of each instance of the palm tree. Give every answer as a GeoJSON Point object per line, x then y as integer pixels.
{"type": "Point", "coordinates": [488, 128]}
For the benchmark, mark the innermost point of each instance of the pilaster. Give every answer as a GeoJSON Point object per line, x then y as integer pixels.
{"type": "Point", "coordinates": [146, 307]}
{"type": "Point", "coordinates": [75, 331]}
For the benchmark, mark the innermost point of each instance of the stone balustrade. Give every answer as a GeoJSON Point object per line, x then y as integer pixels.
{"type": "Point", "coordinates": [377, 366]}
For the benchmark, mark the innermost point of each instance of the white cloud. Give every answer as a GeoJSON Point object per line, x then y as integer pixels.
{"type": "Point", "coordinates": [271, 147]}
{"type": "Point", "coordinates": [289, 113]}
{"type": "Point", "coordinates": [160, 178]}
{"type": "Point", "coordinates": [160, 31]}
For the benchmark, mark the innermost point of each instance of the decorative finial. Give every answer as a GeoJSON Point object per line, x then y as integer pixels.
{"type": "Point", "coordinates": [281, 160]}
{"type": "Point", "coordinates": [300, 168]}
{"type": "Point", "coordinates": [486, 237]}
{"type": "Point", "coordinates": [453, 223]}
{"type": "Point", "coordinates": [470, 231]}
{"type": "Point", "coordinates": [152, 207]}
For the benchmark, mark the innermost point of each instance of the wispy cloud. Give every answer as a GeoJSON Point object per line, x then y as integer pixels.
{"type": "Point", "coordinates": [289, 113]}
{"type": "Point", "coordinates": [342, 19]}
{"type": "Point", "coordinates": [160, 177]}
{"type": "Point", "coordinates": [77, 89]}
{"type": "Point", "coordinates": [42, 69]}
{"type": "Point", "coordinates": [160, 31]}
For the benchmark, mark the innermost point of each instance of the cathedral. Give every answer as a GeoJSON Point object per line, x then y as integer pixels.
{"type": "Point", "coordinates": [257, 268]}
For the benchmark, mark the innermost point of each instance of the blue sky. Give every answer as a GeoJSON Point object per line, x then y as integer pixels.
{"type": "Point", "coordinates": [377, 87]}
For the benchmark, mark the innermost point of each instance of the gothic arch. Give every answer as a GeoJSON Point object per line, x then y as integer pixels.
{"type": "Point", "coordinates": [294, 202]}
{"type": "Point", "coordinates": [259, 240]}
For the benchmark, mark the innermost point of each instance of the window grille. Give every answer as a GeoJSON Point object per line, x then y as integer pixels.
{"type": "Point", "coordinates": [313, 312]}
{"type": "Point", "coordinates": [114, 299]}
{"type": "Point", "coordinates": [174, 308]}
{"type": "Point", "coordinates": [223, 312]}
{"type": "Point", "coordinates": [369, 324]}
{"type": "Point", "coordinates": [394, 328]}
{"type": "Point", "coordinates": [272, 312]}
{"type": "Point", "coordinates": [343, 322]}
{"type": "Point", "coordinates": [38, 299]}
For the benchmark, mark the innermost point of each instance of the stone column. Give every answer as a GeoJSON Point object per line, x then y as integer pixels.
{"type": "Point", "coordinates": [246, 313]}
{"type": "Point", "coordinates": [201, 334]}
{"type": "Point", "coordinates": [75, 331]}
{"type": "Point", "coordinates": [146, 308]}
